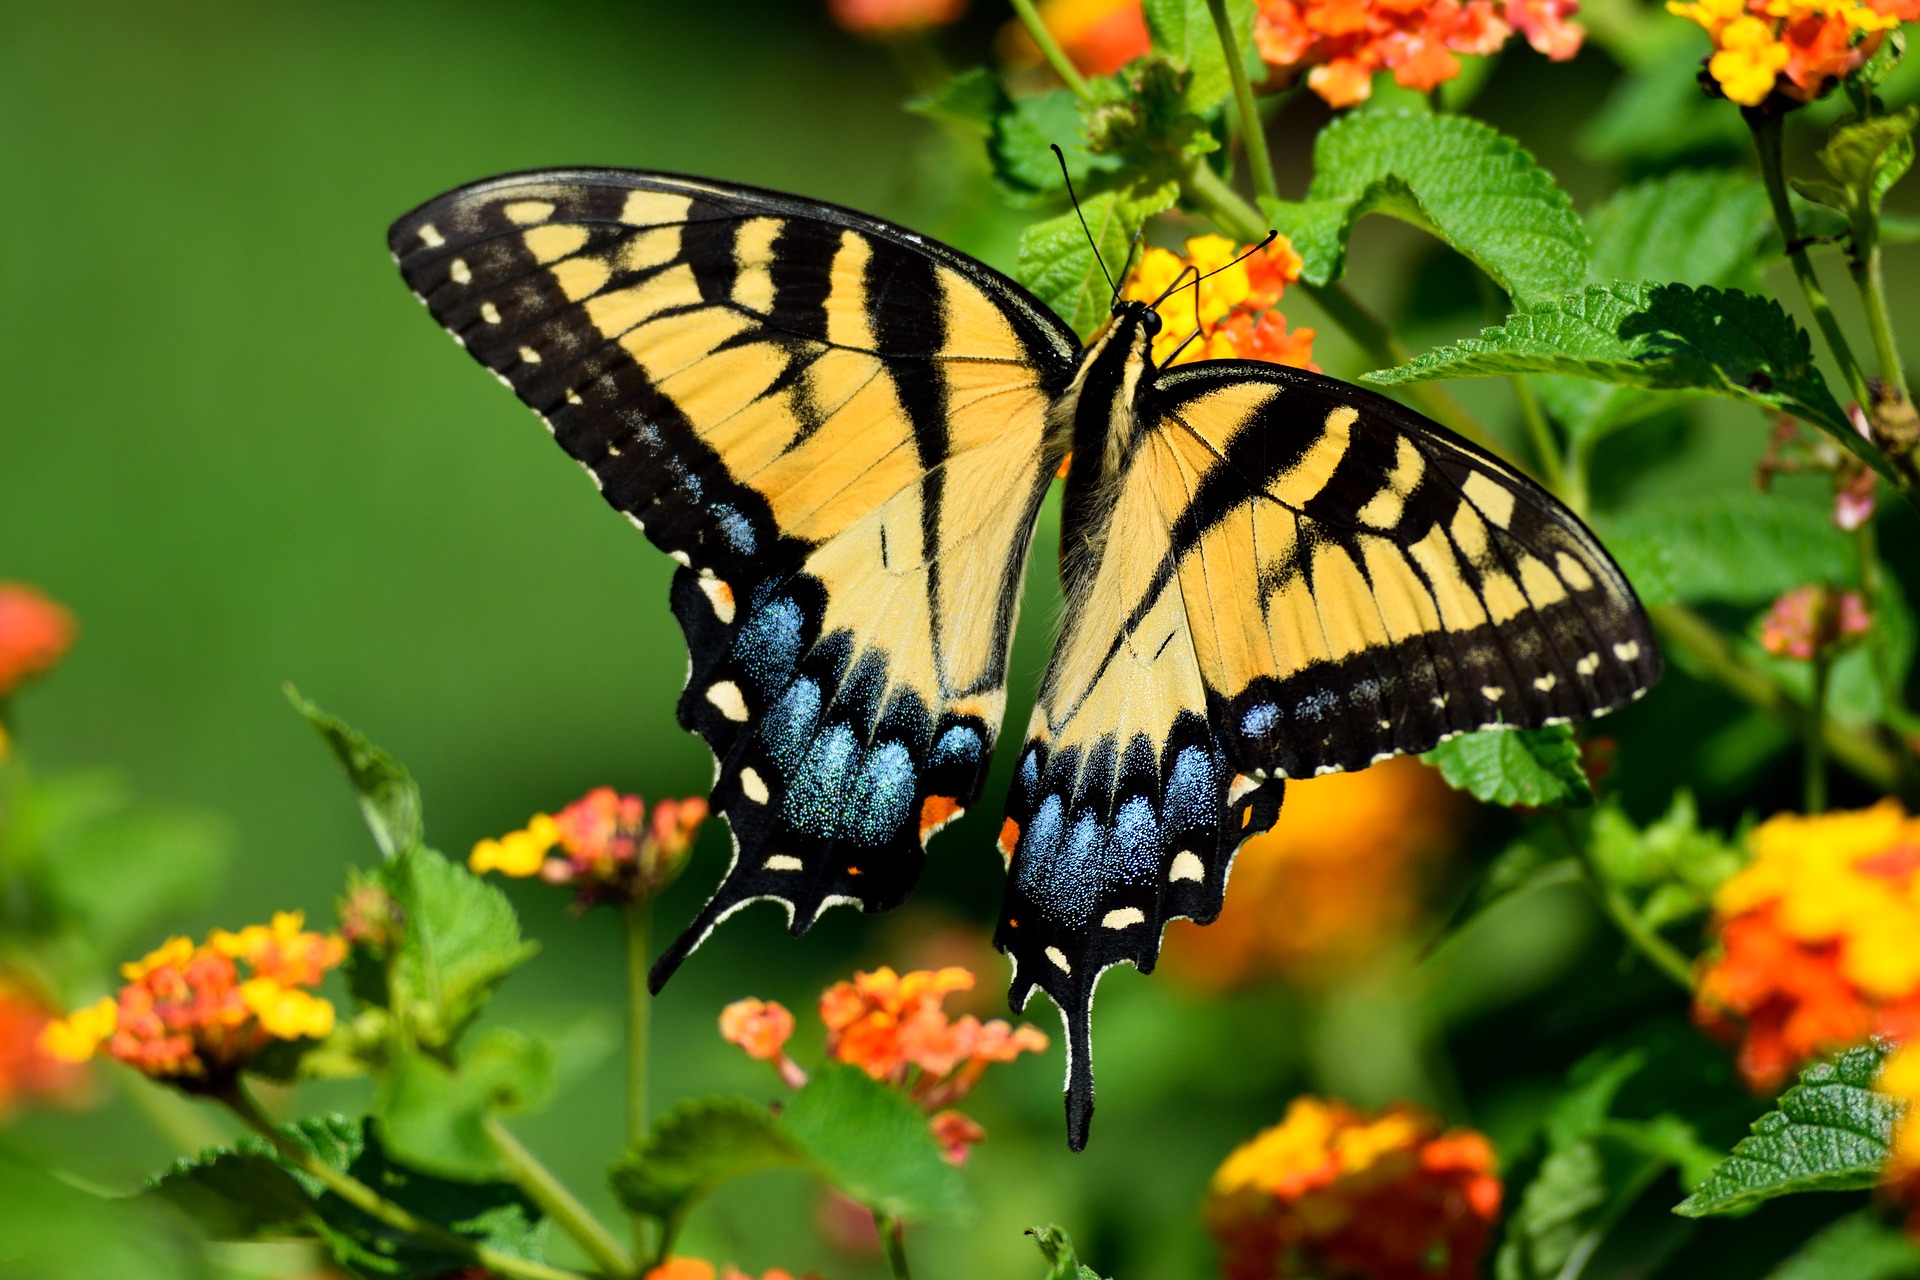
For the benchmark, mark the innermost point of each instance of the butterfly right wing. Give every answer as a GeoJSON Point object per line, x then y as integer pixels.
{"type": "Point", "coordinates": [839, 431]}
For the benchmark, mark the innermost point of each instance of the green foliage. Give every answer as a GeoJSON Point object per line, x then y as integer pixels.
{"type": "Point", "coordinates": [1058, 264]}
{"type": "Point", "coordinates": [1738, 547]}
{"type": "Point", "coordinates": [1183, 31]}
{"type": "Point", "coordinates": [1669, 868]}
{"type": "Point", "coordinates": [1057, 1248]}
{"type": "Point", "coordinates": [435, 1116]}
{"type": "Point", "coordinates": [1474, 188]}
{"type": "Point", "coordinates": [388, 798]}
{"type": "Point", "coordinates": [50, 1230]}
{"type": "Point", "coordinates": [1831, 1132]}
{"type": "Point", "coordinates": [872, 1144]}
{"type": "Point", "coordinates": [1856, 1247]}
{"type": "Point", "coordinates": [1863, 158]}
{"type": "Point", "coordinates": [695, 1147]}
{"type": "Point", "coordinates": [1530, 767]}
{"type": "Point", "coordinates": [250, 1192]}
{"type": "Point", "coordinates": [973, 99]}
{"type": "Point", "coordinates": [1022, 141]}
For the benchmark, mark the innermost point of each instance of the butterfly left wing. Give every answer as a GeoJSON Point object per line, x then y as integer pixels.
{"type": "Point", "coordinates": [1297, 577]}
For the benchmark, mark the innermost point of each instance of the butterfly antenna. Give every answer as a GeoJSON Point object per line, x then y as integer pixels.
{"type": "Point", "coordinates": [1061, 156]}
{"type": "Point", "coordinates": [1271, 237]}
{"type": "Point", "coordinates": [1127, 265]}
{"type": "Point", "coordinates": [1196, 327]}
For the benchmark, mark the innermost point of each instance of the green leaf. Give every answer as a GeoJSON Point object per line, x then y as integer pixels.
{"type": "Point", "coordinates": [434, 1117]}
{"type": "Point", "coordinates": [974, 99]}
{"type": "Point", "coordinates": [1057, 1248]}
{"type": "Point", "coordinates": [1022, 141]}
{"type": "Point", "coordinates": [872, 1144]}
{"type": "Point", "coordinates": [1671, 868]}
{"type": "Point", "coordinates": [1476, 189]}
{"type": "Point", "coordinates": [1856, 1247]}
{"type": "Point", "coordinates": [458, 938]}
{"type": "Point", "coordinates": [695, 1147]}
{"type": "Point", "coordinates": [1658, 115]}
{"type": "Point", "coordinates": [388, 799]}
{"type": "Point", "coordinates": [1183, 30]}
{"type": "Point", "coordinates": [1659, 336]}
{"type": "Point", "coordinates": [1058, 264]}
{"type": "Point", "coordinates": [1530, 767]}
{"type": "Point", "coordinates": [1738, 547]}
{"type": "Point", "coordinates": [1831, 1132]}
{"type": "Point", "coordinates": [50, 1230]}
{"type": "Point", "coordinates": [1865, 158]}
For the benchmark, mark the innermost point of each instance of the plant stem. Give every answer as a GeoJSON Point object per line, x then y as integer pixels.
{"type": "Point", "coordinates": [638, 919]}
{"type": "Point", "coordinates": [1552, 469]}
{"type": "Point", "coordinates": [1700, 640]}
{"type": "Point", "coordinates": [1814, 785]}
{"type": "Point", "coordinates": [1208, 192]}
{"type": "Point", "coordinates": [1663, 955]}
{"type": "Point", "coordinates": [1871, 282]}
{"type": "Point", "coordinates": [1050, 49]}
{"type": "Point", "coordinates": [1253, 134]}
{"type": "Point", "coordinates": [378, 1207]}
{"type": "Point", "coordinates": [1766, 140]}
{"type": "Point", "coordinates": [557, 1202]}
{"type": "Point", "coordinates": [893, 1239]}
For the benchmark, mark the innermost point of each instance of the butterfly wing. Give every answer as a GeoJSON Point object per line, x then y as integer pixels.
{"type": "Point", "coordinates": [1299, 577]}
{"type": "Point", "coordinates": [837, 428]}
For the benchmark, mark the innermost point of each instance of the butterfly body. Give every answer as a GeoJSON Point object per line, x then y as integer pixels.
{"type": "Point", "coordinates": [844, 432]}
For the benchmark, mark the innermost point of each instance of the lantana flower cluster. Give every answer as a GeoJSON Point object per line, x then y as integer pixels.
{"type": "Point", "coordinates": [196, 1015]}
{"type": "Point", "coordinates": [1234, 317]}
{"type": "Point", "coordinates": [28, 1072]}
{"type": "Point", "coordinates": [679, 1268]}
{"type": "Point", "coordinates": [892, 1026]}
{"type": "Point", "coordinates": [1810, 622]}
{"type": "Point", "coordinates": [1816, 940]}
{"type": "Point", "coordinates": [1335, 1194]}
{"type": "Point", "coordinates": [892, 19]}
{"type": "Point", "coordinates": [1900, 1176]}
{"type": "Point", "coordinates": [1796, 48]}
{"type": "Point", "coordinates": [602, 845]}
{"type": "Point", "coordinates": [35, 633]}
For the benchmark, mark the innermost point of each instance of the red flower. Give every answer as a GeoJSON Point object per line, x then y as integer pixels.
{"type": "Point", "coordinates": [607, 850]}
{"type": "Point", "coordinates": [34, 633]}
{"type": "Point", "coordinates": [1098, 36]}
{"type": "Point", "coordinates": [28, 1072]}
{"type": "Point", "coordinates": [885, 19]}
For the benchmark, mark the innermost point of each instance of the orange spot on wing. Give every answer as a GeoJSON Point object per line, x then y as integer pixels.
{"type": "Point", "coordinates": [937, 812]}
{"type": "Point", "coordinates": [1009, 837]}
{"type": "Point", "coordinates": [855, 871]}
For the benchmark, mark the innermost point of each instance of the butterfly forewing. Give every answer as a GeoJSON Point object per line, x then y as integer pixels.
{"type": "Point", "coordinates": [837, 429]}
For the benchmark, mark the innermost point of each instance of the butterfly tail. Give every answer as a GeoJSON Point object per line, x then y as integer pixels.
{"type": "Point", "coordinates": [1078, 1016]}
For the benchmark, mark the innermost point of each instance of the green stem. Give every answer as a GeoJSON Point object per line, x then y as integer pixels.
{"type": "Point", "coordinates": [1687, 631]}
{"type": "Point", "coordinates": [1209, 192]}
{"type": "Point", "coordinates": [1050, 49]}
{"type": "Point", "coordinates": [1552, 469]}
{"type": "Point", "coordinates": [378, 1207]}
{"type": "Point", "coordinates": [1253, 133]}
{"type": "Point", "coordinates": [638, 918]}
{"type": "Point", "coordinates": [557, 1202]}
{"type": "Point", "coordinates": [1814, 784]}
{"type": "Point", "coordinates": [1663, 955]}
{"type": "Point", "coordinates": [893, 1239]}
{"type": "Point", "coordinates": [1766, 140]}
{"type": "Point", "coordinates": [1869, 279]}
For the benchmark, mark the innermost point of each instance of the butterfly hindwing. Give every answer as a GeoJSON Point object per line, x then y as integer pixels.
{"type": "Point", "coordinates": [838, 430]}
{"type": "Point", "coordinates": [1295, 577]}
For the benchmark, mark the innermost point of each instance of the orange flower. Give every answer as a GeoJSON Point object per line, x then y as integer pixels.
{"type": "Point", "coordinates": [28, 1071]}
{"type": "Point", "coordinates": [1797, 48]}
{"type": "Point", "coordinates": [957, 1133]}
{"type": "Point", "coordinates": [1330, 1192]}
{"type": "Point", "coordinates": [1098, 36]}
{"type": "Point", "coordinates": [1342, 43]}
{"type": "Point", "coordinates": [886, 19]}
{"type": "Point", "coordinates": [1900, 1177]}
{"type": "Point", "coordinates": [606, 848]}
{"type": "Point", "coordinates": [1807, 621]}
{"type": "Point", "coordinates": [1229, 310]}
{"type": "Point", "coordinates": [34, 634]}
{"type": "Point", "coordinates": [1337, 875]}
{"type": "Point", "coordinates": [701, 1269]}
{"type": "Point", "coordinates": [1815, 940]}
{"type": "Point", "coordinates": [190, 1016]}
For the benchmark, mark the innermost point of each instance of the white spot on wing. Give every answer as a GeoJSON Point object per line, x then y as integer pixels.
{"type": "Point", "coordinates": [529, 355]}
{"type": "Point", "coordinates": [753, 786]}
{"type": "Point", "coordinates": [1627, 652]}
{"type": "Point", "coordinates": [460, 272]}
{"type": "Point", "coordinates": [489, 313]}
{"type": "Point", "coordinates": [1545, 683]}
{"type": "Point", "coordinates": [1588, 665]}
{"type": "Point", "coordinates": [1059, 959]}
{"type": "Point", "coordinates": [1491, 692]}
{"type": "Point", "coordinates": [1124, 917]}
{"type": "Point", "coordinates": [430, 236]}
{"type": "Point", "coordinates": [784, 862]}
{"type": "Point", "coordinates": [725, 694]}
{"type": "Point", "coordinates": [1240, 786]}
{"type": "Point", "coordinates": [1187, 866]}
{"type": "Point", "coordinates": [719, 594]}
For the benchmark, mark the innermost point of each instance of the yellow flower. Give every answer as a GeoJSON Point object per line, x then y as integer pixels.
{"type": "Point", "coordinates": [1713, 15]}
{"type": "Point", "coordinates": [79, 1036]}
{"type": "Point", "coordinates": [1749, 59]}
{"type": "Point", "coordinates": [518, 853]}
{"type": "Point", "coordinates": [287, 1013]}
{"type": "Point", "coordinates": [174, 952]}
{"type": "Point", "coordinates": [1900, 1077]}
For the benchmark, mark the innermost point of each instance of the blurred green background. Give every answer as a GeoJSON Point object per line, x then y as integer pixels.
{"type": "Point", "coordinates": [243, 455]}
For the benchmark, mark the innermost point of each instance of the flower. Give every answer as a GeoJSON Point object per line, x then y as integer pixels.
{"type": "Point", "coordinates": [188, 1014]}
{"type": "Point", "coordinates": [1342, 43]}
{"type": "Point", "coordinates": [892, 1026]}
{"type": "Point", "coordinates": [606, 847]}
{"type": "Point", "coordinates": [1098, 36]}
{"type": "Point", "coordinates": [1230, 308]}
{"type": "Point", "coordinates": [1335, 1194]}
{"type": "Point", "coordinates": [1900, 1176]}
{"type": "Point", "coordinates": [1815, 940]}
{"type": "Point", "coordinates": [1797, 48]}
{"type": "Point", "coordinates": [29, 1070]}
{"type": "Point", "coordinates": [701, 1269]}
{"type": "Point", "coordinates": [886, 19]}
{"type": "Point", "coordinates": [34, 633]}
{"type": "Point", "coordinates": [1333, 879]}
{"type": "Point", "coordinates": [1808, 621]}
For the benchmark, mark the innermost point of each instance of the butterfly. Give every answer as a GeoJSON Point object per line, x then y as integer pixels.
{"type": "Point", "coordinates": [843, 433]}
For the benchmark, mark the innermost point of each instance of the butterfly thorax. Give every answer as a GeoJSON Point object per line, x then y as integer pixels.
{"type": "Point", "coordinates": [1102, 406]}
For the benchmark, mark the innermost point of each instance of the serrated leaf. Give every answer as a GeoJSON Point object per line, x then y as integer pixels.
{"type": "Point", "coordinates": [695, 1147]}
{"type": "Point", "coordinates": [1057, 1248]}
{"type": "Point", "coordinates": [1530, 767]}
{"type": "Point", "coordinates": [1058, 264]}
{"type": "Point", "coordinates": [1183, 30]}
{"type": "Point", "coordinates": [1831, 1132]}
{"type": "Point", "coordinates": [872, 1144]}
{"type": "Point", "coordinates": [1475, 188]}
{"type": "Point", "coordinates": [1856, 1247]}
{"type": "Point", "coordinates": [1660, 336]}
{"type": "Point", "coordinates": [1738, 547]}
{"type": "Point", "coordinates": [434, 1116]}
{"type": "Point", "coordinates": [388, 798]}
{"type": "Point", "coordinates": [458, 937]}
{"type": "Point", "coordinates": [973, 99]}
{"type": "Point", "coordinates": [1022, 141]}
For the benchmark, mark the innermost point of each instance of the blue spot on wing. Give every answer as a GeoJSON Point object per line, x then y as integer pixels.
{"type": "Point", "coordinates": [769, 644]}
{"type": "Point", "coordinates": [1192, 790]}
{"type": "Point", "coordinates": [958, 745]}
{"type": "Point", "coordinates": [882, 795]}
{"type": "Point", "coordinates": [1260, 720]}
{"type": "Point", "coordinates": [817, 796]}
{"type": "Point", "coordinates": [790, 723]}
{"type": "Point", "coordinates": [734, 527]}
{"type": "Point", "coordinates": [1136, 842]}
